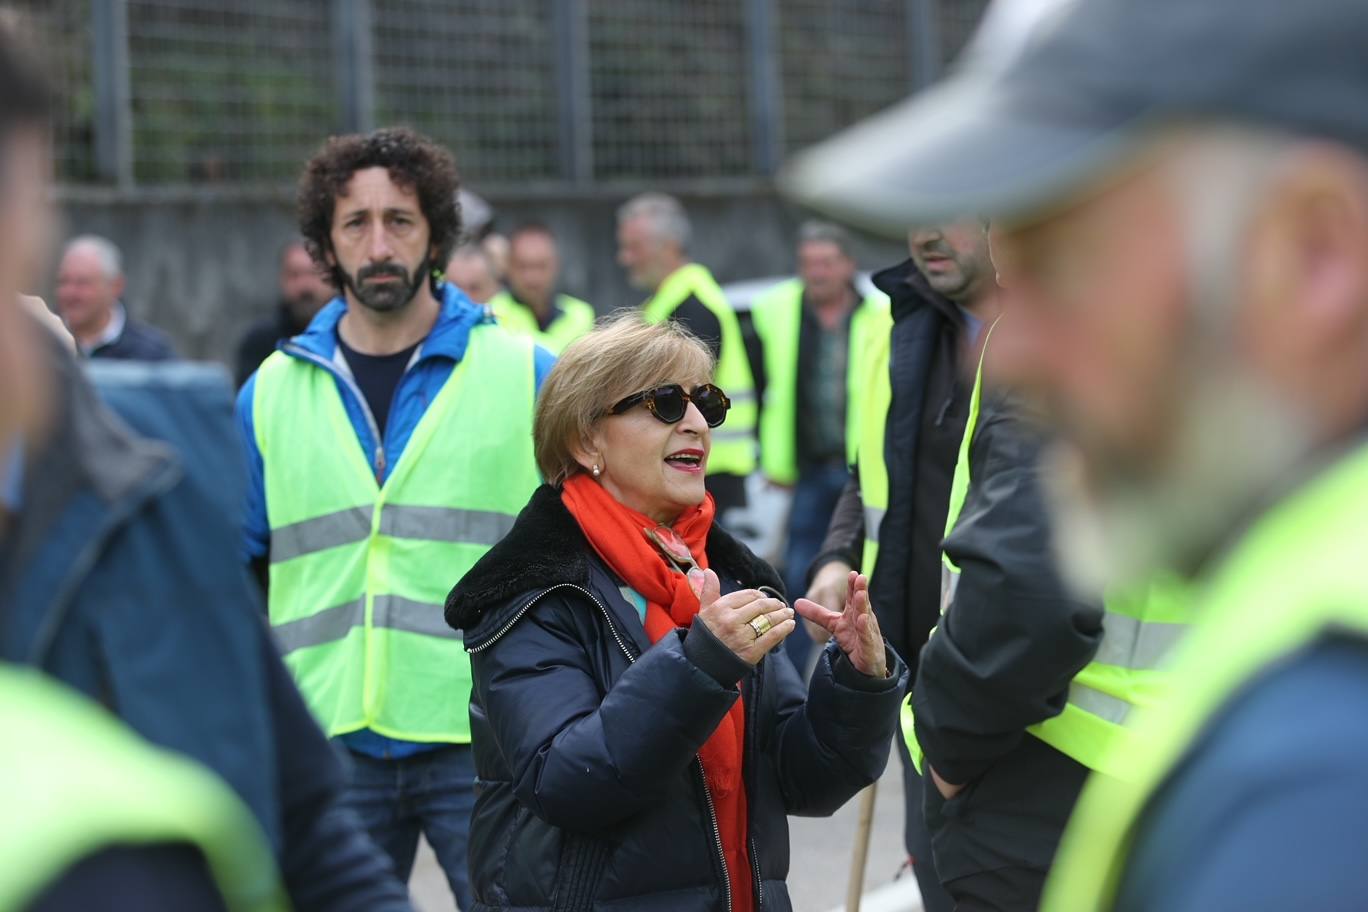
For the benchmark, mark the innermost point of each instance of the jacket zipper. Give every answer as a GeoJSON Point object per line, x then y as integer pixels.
{"type": "Point", "coordinates": [717, 831]}
{"type": "Point", "coordinates": [757, 679]}
{"type": "Point", "coordinates": [379, 457]}
{"type": "Point", "coordinates": [631, 659]}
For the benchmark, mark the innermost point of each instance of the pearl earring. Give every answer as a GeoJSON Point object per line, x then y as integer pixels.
{"type": "Point", "coordinates": [597, 470]}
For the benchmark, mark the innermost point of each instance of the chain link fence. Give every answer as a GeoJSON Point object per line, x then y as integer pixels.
{"type": "Point", "coordinates": [191, 92]}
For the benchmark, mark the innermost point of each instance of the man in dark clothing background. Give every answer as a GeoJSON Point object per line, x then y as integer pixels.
{"type": "Point", "coordinates": [653, 235]}
{"type": "Point", "coordinates": [90, 286]}
{"type": "Point", "coordinates": [1001, 660]}
{"type": "Point", "coordinates": [941, 298]}
{"type": "Point", "coordinates": [303, 292]}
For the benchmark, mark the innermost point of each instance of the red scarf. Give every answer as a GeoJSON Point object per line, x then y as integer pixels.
{"type": "Point", "coordinates": [617, 533]}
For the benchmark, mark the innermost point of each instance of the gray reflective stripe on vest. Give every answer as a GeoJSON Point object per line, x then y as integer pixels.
{"type": "Point", "coordinates": [746, 398]}
{"type": "Point", "coordinates": [446, 524]}
{"type": "Point", "coordinates": [326, 626]}
{"type": "Point", "coordinates": [398, 613]}
{"type": "Point", "coordinates": [1102, 705]}
{"type": "Point", "coordinates": [392, 612]}
{"type": "Point", "coordinates": [731, 436]}
{"type": "Point", "coordinates": [873, 518]}
{"type": "Point", "coordinates": [330, 530]}
{"type": "Point", "coordinates": [1128, 642]}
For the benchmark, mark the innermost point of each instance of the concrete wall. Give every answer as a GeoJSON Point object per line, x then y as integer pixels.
{"type": "Point", "coordinates": [203, 266]}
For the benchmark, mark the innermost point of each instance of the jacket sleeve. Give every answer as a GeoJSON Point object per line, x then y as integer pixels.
{"type": "Point", "coordinates": [832, 738]}
{"type": "Point", "coordinates": [580, 759]}
{"type": "Point", "coordinates": [845, 532]}
{"type": "Point", "coordinates": [328, 861]}
{"type": "Point", "coordinates": [1013, 639]}
{"type": "Point", "coordinates": [256, 530]}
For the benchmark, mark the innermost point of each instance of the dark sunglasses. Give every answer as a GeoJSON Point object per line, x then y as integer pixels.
{"type": "Point", "coordinates": [669, 403]}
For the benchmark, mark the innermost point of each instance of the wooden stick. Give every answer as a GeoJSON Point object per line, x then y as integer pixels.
{"type": "Point", "coordinates": [861, 853]}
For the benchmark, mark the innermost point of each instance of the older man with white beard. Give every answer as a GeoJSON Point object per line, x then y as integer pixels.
{"type": "Point", "coordinates": [1183, 190]}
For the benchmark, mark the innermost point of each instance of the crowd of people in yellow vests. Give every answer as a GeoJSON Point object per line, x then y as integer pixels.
{"type": "Point", "coordinates": [1076, 493]}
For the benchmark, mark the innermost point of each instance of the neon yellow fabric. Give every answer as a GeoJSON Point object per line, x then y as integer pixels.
{"type": "Point", "coordinates": [869, 446]}
{"type": "Point", "coordinates": [778, 316]}
{"type": "Point", "coordinates": [576, 319]}
{"type": "Point", "coordinates": [1140, 629]}
{"type": "Point", "coordinates": [77, 782]}
{"type": "Point", "coordinates": [1294, 576]}
{"type": "Point", "coordinates": [359, 573]}
{"type": "Point", "coordinates": [733, 448]}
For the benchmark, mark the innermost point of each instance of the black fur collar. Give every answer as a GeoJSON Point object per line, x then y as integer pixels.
{"type": "Point", "coordinates": [546, 548]}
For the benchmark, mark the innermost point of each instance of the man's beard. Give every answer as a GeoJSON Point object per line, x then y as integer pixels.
{"type": "Point", "coordinates": [1235, 442]}
{"type": "Point", "coordinates": [387, 297]}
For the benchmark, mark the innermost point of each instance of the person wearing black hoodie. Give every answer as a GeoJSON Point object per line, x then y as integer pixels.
{"type": "Point", "coordinates": [942, 298]}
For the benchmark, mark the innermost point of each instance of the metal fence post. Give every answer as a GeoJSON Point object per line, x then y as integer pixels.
{"type": "Point", "coordinates": [923, 43]}
{"type": "Point", "coordinates": [113, 94]}
{"type": "Point", "coordinates": [354, 64]}
{"type": "Point", "coordinates": [763, 87]}
{"type": "Point", "coordinates": [574, 101]}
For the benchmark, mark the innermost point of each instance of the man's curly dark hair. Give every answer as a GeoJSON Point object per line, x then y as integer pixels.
{"type": "Point", "coordinates": [413, 161]}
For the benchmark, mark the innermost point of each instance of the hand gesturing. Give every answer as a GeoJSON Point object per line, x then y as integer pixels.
{"type": "Point", "coordinates": [855, 628]}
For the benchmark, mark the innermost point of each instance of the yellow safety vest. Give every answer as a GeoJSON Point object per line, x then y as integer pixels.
{"type": "Point", "coordinates": [778, 318]}
{"type": "Point", "coordinates": [1140, 628]}
{"type": "Point", "coordinates": [359, 572]}
{"type": "Point", "coordinates": [733, 444]}
{"type": "Point", "coordinates": [575, 319]}
{"type": "Point", "coordinates": [1294, 577]}
{"type": "Point", "coordinates": [76, 781]}
{"type": "Point", "coordinates": [869, 449]}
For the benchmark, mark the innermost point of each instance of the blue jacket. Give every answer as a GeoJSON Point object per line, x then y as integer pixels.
{"type": "Point", "coordinates": [439, 354]}
{"type": "Point", "coordinates": [589, 794]}
{"type": "Point", "coordinates": [444, 347]}
{"type": "Point", "coordinates": [1266, 812]}
{"type": "Point", "coordinates": [120, 579]}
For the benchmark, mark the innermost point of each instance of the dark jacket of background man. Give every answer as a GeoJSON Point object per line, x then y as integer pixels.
{"type": "Point", "coordinates": [926, 420]}
{"type": "Point", "coordinates": [1000, 661]}
{"type": "Point", "coordinates": [120, 578]}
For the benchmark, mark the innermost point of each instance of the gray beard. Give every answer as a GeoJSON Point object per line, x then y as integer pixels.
{"type": "Point", "coordinates": [1236, 444]}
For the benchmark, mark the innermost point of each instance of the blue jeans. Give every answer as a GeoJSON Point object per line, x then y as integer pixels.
{"type": "Point", "coordinates": [432, 793]}
{"type": "Point", "coordinates": [814, 500]}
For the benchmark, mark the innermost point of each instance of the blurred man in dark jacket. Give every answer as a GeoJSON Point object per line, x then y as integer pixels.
{"type": "Point", "coordinates": [941, 299]}
{"type": "Point", "coordinates": [1001, 661]}
{"type": "Point", "coordinates": [118, 577]}
{"type": "Point", "coordinates": [303, 292]}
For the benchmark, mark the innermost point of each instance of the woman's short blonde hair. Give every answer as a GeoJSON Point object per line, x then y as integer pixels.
{"type": "Point", "coordinates": [622, 355]}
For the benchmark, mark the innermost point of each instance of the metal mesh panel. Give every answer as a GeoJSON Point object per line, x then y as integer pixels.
{"type": "Point", "coordinates": [228, 92]}
{"type": "Point", "coordinates": [478, 75]}
{"type": "Point", "coordinates": [957, 20]}
{"type": "Point", "coordinates": [840, 60]}
{"type": "Point", "coordinates": [668, 86]}
{"type": "Point", "coordinates": [243, 92]}
{"type": "Point", "coordinates": [62, 27]}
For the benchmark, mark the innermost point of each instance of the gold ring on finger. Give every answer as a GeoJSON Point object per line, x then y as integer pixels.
{"type": "Point", "coordinates": [760, 625]}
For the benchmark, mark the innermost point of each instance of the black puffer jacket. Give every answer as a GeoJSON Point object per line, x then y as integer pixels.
{"type": "Point", "coordinates": [589, 793]}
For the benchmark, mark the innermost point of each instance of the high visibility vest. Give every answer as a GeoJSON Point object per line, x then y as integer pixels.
{"type": "Point", "coordinates": [1139, 629]}
{"type": "Point", "coordinates": [359, 571]}
{"type": "Point", "coordinates": [575, 319]}
{"type": "Point", "coordinates": [76, 781]}
{"type": "Point", "coordinates": [733, 444]}
{"type": "Point", "coordinates": [877, 385]}
{"type": "Point", "coordinates": [778, 318]}
{"type": "Point", "coordinates": [1295, 576]}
